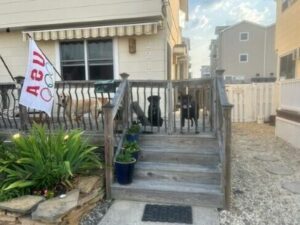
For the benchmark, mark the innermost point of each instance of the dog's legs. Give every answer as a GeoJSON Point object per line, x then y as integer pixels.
{"type": "Point", "coordinates": [182, 120]}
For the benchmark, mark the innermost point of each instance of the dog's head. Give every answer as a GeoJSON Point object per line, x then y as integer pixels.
{"type": "Point", "coordinates": [186, 101]}
{"type": "Point", "coordinates": [154, 100]}
{"type": "Point", "coordinates": [63, 100]}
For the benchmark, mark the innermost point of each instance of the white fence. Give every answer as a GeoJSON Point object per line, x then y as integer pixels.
{"type": "Point", "coordinates": [254, 102]}
{"type": "Point", "coordinates": [290, 95]}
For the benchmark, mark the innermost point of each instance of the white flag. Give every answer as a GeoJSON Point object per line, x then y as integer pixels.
{"type": "Point", "coordinates": [38, 87]}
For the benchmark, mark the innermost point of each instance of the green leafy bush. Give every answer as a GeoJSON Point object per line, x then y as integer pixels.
{"type": "Point", "coordinates": [131, 147]}
{"type": "Point", "coordinates": [125, 157]}
{"type": "Point", "coordinates": [42, 161]}
{"type": "Point", "coordinates": [134, 129]}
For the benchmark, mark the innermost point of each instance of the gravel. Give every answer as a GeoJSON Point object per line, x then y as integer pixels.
{"type": "Point", "coordinates": [258, 197]}
{"type": "Point", "coordinates": [95, 216]}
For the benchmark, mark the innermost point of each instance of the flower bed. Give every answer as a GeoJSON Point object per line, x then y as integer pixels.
{"type": "Point", "coordinates": [46, 177]}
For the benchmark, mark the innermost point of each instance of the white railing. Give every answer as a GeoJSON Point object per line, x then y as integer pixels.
{"type": "Point", "coordinates": [290, 95]}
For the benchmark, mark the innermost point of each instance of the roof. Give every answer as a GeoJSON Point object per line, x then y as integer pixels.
{"type": "Point", "coordinates": [220, 29]}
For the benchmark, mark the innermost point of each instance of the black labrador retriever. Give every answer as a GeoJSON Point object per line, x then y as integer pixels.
{"type": "Point", "coordinates": [154, 112]}
{"type": "Point", "coordinates": [188, 109]}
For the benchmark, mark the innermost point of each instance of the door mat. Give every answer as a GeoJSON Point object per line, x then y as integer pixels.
{"type": "Point", "coordinates": [168, 214]}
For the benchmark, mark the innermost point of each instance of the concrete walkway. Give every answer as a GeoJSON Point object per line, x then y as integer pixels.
{"type": "Point", "coordinates": [131, 213]}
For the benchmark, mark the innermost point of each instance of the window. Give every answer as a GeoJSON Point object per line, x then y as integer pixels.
{"type": "Point", "coordinates": [243, 58]}
{"type": "Point", "coordinates": [287, 66]}
{"type": "Point", "coordinates": [87, 60]}
{"type": "Point", "coordinates": [244, 36]}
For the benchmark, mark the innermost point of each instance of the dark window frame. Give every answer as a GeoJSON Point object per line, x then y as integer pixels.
{"type": "Point", "coordinates": [87, 62]}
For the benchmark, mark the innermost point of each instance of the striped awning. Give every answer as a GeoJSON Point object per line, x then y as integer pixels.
{"type": "Point", "coordinates": [95, 32]}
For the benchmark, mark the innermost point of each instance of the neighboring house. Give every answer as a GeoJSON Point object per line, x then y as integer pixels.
{"type": "Point", "coordinates": [91, 40]}
{"type": "Point", "coordinates": [244, 50]}
{"type": "Point", "coordinates": [205, 71]}
{"type": "Point", "coordinates": [288, 49]}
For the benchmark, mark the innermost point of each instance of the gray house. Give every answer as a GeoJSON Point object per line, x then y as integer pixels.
{"type": "Point", "coordinates": [245, 50]}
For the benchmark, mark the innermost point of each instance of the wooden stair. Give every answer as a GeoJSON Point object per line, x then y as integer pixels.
{"type": "Point", "coordinates": [176, 170]}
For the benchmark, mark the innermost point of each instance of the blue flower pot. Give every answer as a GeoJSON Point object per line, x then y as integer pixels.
{"type": "Point", "coordinates": [132, 137]}
{"type": "Point", "coordinates": [124, 172]}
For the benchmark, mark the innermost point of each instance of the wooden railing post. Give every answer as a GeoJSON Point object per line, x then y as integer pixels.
{"type": "Point", "coordinates": [108, 147]}
{"type": "Point", "coordinates": [227, 151]}
{"type": "Point", "coordinates": [170, 107]}
{"type": "Point", "coordinates": [127, 102]}
{"type": "Point", "coordinates": [218, 73]}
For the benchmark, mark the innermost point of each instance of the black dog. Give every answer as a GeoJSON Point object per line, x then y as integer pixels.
{"type": "Point", "coordinates": [154, 112]}
{"type": "Point", "coordinates": [188, 109]}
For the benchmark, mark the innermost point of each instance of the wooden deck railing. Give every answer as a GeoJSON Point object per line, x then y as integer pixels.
{"type": "Point", "coordinates": [127, 101]}
{"type": "Point", "coordinates": [223, 131]}
{"type": "Point", "coordinates": [116, 122]}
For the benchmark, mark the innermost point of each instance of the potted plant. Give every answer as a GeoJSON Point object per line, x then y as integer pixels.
{"type": "Point", "coordinates": [133, 133]}
{"type": "Point", "coordinates": [124, 166]}
{"type": "Point", "coordinates": [132, 148]}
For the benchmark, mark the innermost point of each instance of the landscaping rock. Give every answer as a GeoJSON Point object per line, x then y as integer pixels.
{"type": "Point", "coordinates": [52, 210]}
{"type": "Point", "coordinates": [87, 184]}
{"type": "Point", "coordinates": [279, 170]}
{"type": "Point", "coordinates": [293, 187]}
{"type": "Point", "coordinates": [22, 205]}
{"type": "Point", "coordinates": [268, 158]}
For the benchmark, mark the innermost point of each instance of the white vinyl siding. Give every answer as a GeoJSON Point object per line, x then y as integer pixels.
{"type": "Point", "coordinates": [27, 13]}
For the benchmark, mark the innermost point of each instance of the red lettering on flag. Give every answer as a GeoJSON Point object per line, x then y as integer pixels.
{"type": "Point", "coordinates": [37, 75]}
{"type": "Point", "coordinates": [33, 90]}
{"type": "Point", "coordinates": [40, 61]}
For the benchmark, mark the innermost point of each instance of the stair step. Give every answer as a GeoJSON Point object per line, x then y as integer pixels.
{"type": "Point", "coordinates": [183, 141]}
{"type": "Point", "coordinates": [170, 193]}
{"type": "Point", "coordinates": [177, 172]}
{"type": "Point", "coordinates": [176, 156]}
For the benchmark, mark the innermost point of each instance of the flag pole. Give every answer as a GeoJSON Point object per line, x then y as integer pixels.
{"type": "Point", "coordinates": [8, 70]}
{"type": "Point", "coordinates": [48, 60]}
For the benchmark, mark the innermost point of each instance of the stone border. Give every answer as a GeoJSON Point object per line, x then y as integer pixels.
{"type": "Point", "coordinates": [55, 211]}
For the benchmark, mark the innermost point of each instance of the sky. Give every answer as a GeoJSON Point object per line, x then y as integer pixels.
{"type": "Point", "coordinates": [205, 15]}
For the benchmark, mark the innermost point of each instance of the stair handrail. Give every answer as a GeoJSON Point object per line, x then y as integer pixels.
{"type": "Point", "coordinates": [223, 125]}
{"type": "Point", "coordinates": [110, 110]}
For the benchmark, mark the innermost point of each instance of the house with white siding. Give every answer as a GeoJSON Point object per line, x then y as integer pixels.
{"type": "Point", "coordinates": [95, 40]}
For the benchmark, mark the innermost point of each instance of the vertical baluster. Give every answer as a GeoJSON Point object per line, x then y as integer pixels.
{"type": "Point", "coordinates": [83, 105]}
{"type": "Point", "coordinates": [158, 110]}
{"type": "Point", "coordinates": [196, 113]}
{"type": "Point", "coordinates": [165, 108]}
{"type": "Point", "coordinates": [65, 106]}
{"type": "Point", "coordinates": [59, 107]}
{"type": "Point", "coordinates": [95, 120]}
{"type": "Point", "coordinates": [77, 109]}
{"type": "Point", "coordinates": [189, 103]}
{"type": "Point", "coordinates": [204, 108]}
{"type": "Point", "coordinates": [145, 99]}
{"type": "Point", "coordinates": [2, 108]}
{"type": "Point", "coordinates": [70, 106]}
{"type": "Point", "coordinates": [89, 106]}
{"type": "Point", "coordinates": [131, 100]}
{"type": "Point", "coordinates": [14, 106]}
{"type": "Point", "coordinates": [151, 115]}
{"type": "Point", "coordinates": [7, 106]}
{"type": "Point", "coordinates": [174, 104]}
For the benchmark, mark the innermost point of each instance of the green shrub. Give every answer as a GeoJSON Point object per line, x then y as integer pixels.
{"type": "Point", "coordinates": [131, 147]}
{"type": "Point", "coordinates": [42, 161]}
{"type": "Point", "coordinates": [134, 129]}
{"type": "Point", "coordinates": [124, 157]}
